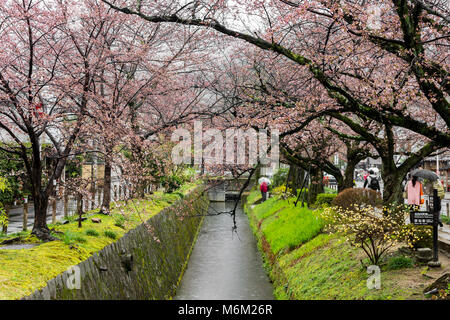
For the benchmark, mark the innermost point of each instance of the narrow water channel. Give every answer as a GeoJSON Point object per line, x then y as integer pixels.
{"type": "Point", "coordinates": [224, 265]}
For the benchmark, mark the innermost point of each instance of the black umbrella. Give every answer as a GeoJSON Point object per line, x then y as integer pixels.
{"type": "Point", "coordinates": [425, 174]}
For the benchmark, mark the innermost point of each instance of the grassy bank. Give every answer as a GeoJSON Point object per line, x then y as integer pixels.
{"type": "Point", "coordinates": [25, 270]}
{"type": "Point", "coordinates": [306, 263]}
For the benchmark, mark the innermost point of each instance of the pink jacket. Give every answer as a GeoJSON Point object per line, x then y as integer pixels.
{"type": "Point", "coordinates": [413, 193]}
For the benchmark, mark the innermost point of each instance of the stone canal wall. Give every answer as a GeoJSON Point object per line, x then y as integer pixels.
{"type": "Point", "coordinates": [146, 263]}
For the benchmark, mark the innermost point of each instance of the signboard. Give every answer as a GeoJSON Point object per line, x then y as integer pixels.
{"type": "Point", "coordinates": [431, 203]}
{"type": "Point", "coordinates": [422, 218]}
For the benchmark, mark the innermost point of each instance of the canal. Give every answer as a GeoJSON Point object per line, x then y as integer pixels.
{"type": "Point", "coordinates": [225, 265]}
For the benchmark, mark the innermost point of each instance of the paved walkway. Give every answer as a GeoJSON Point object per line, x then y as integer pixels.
{"type": "Point", "coordinates": [16, 214]}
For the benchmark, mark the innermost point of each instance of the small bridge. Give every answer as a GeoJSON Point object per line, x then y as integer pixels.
{"type": "Point", "coordinates": [226, 188]}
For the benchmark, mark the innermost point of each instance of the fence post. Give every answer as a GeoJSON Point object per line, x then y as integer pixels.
{"type": "Point", "coordinates": [54, 210]}
{"type": "Point", "coordinates": [448, 209]}
{"type": "Point", "coordinates": [66, 205]}
{"type": "Point", "coordinates": [79, 208]}
{"type": "Point", "coordinates": [25, 215]}
{"type": "Point", "coordinates": [5, 226]}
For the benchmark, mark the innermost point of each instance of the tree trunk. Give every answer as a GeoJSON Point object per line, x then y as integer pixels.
{"type": "Point", "coordinates": [40, 229]}
{"type": "Point", "coordinates": [392, 192]}
{"type": "Point", "coordinates": [142, 191]}
{"type": "Point", "coordinates": [316, 185]}
{"type": "Point", "coordinates": [40, 198]}
{"type": "Point", "coordinates": [106, 189]}
{"type": "Point", "coordinates": [294, 180]}
{"type": "Point", "coordinates": [348, 175]}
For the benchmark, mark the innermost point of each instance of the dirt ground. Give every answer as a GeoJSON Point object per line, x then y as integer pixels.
{"type": "Point", "coordinates": [419, 278]}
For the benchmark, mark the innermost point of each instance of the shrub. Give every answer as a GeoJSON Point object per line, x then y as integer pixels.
{"type": "Point", "coordinates": [325, 198]}
{"type": "Point", "coordinates": [329, 190]}
{"type": "Point", "coordinates": [172, 182]}
{"type": "Point", "coordinates": [188, 174]}
{"type": "Point", "coordinates": [374, 230]}
{"type": "Point", "coordinates": [399, 262]}
{"type": "Point", "coordinates": [3, 217]}
{"type": "Point", "coordinates": [279, 178]}
{"type": "Point", "coordinates": [110, 234]}
{"type": "Point", "coordinates": [92, 233]}
{"type": "Point", "coordinates": [357, 197]}
{"type": "Point", "coordinates": [281, 190]}
{"type": "Point", "coordinates": [420, 236]}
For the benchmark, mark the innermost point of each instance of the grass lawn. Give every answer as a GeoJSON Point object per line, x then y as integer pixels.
{"type": "Point", "coordinates": [307, 264]}
{"type": "Point", "coordinates": [25, 270]}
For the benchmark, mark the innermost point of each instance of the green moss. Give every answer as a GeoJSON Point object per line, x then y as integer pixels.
{"type": "Point", "coordinates": [25, 270]}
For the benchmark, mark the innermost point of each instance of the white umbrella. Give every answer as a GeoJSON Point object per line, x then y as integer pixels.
{"type": "Point", "coordinates": [264, 179]}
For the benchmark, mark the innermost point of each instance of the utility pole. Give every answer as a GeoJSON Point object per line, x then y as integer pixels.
{"type": "Point", "coordinates": [437, 164]}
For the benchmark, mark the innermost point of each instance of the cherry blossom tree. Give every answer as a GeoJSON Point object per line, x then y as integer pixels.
{"type": "Point", "coordinates": [38, 83]}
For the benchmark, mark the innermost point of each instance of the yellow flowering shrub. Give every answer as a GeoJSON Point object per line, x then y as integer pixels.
{"type": "Point", "coordinates": [282, 192]}
{"type": "Point", "coordinates": [374, 230]}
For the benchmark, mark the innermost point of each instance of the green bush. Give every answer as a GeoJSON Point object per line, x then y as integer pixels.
{"type": "Point", "coordinates": [171, 183]}
{"type": "Point", "coordinates": [110, 234]}
{"type": "Point", "coordinates": [445, 219]}
{"type": "Point", "coordinates": [12, 170]}
{"type": "Point", "coordinates": [279, 178]}
{"type": "Point", "coordinates": [188, 174]}
{"type": "Point", "coordinates": [399, 262]}
{"type": "Point", "coordinates": [351, 197]}
{"type": "Point", "coordinates": [325, 198]}
{"type": "Point", "coordinates": [329, 190]}
{"type": "Point", "coordinates": [92, 233]}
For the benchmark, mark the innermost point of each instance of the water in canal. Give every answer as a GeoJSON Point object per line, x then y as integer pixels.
{"type": "Point", "coordinates": [225, 265]}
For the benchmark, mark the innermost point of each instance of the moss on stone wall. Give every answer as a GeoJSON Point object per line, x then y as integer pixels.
{"type": "Point", "coordinates": [163, 241]}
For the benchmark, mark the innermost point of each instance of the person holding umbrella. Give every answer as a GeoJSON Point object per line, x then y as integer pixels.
{"type": "Point", "coordinates": [436, 205]}
{"type": "Point", "coordinates": [414, 192]}
{"type": "Point", "coordinates": [264, 187]}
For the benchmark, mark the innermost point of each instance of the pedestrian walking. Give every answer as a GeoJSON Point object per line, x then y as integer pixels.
{"type": "Point", "coordinates": [263, 187]}
{"type": "Point", "coordinates": [413, 194]}
{"type": "Point", "coordinates": [365, 176]}
{"type": "Point", "coordinates": [372, 181]}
